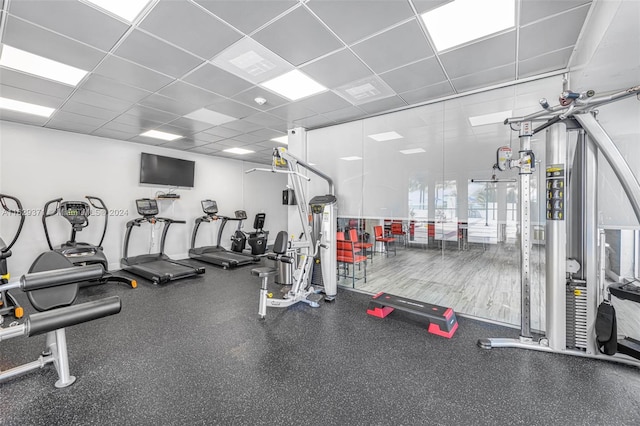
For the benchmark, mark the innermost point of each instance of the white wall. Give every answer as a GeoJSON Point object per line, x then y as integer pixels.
{"type": "Point", "coordinates": [39, 164]}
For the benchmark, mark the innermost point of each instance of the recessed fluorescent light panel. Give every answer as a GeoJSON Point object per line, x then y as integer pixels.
{"type": "Point", "coordinates": [211, 117]}
{"type": "Point", "coordinates": [462, 21]}
{"type": "Point", "coordinates": [282, 139]}
{"type": "Point", "coordinates": [25, 107]}
{"type": "Point", "coordinates": [365, 90]}
{"type": "Point", "coordinates": [493, 118]}
{"type": "Point", "coordinates": [42, 67]}
{"type": "Point", "coordinates": [294, 85]}
{"type": "Point", "coordinates": [240, 151]}
{"type": "Point", "coordinates": [126, 9]}
{"type": "Point", "coordinates": [412, 151]}
{"type": "Point", "coordinates": [354, 158]}
{"type": "Point", "coordinates": [160, 135]}
{"type": "Point", "coordinates": [386, 136]}
{"type": "Point", "coordinates": [252, 61]}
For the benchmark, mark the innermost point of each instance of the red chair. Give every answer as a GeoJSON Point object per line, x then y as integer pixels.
{"type": "Point", "coordinates": [347, 254]}
{"type": "Point", "coordinates": [364, 245]}
{"type": "Point", "coordinates": [398, 231]}
{"type": "Point", "coordinates": [386, 241]}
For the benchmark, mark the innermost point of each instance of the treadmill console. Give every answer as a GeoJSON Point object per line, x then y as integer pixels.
{"type": "Point", "coordinates": [241, 214]}
{"type": "Point", "coordinates": [147, 207]}
{"type": "Point", "coordinates": [210, 207]}
{"type": "Point", "coordinates": [75, 212]}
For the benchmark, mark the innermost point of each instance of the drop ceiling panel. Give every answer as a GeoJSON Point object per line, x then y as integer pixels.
{"type": "Point", "coordinates": [544, 63]}
{"type": "Point", "coordinates": [132, 74]}
{"type": "Point", "coordinates": [383, 105]}
{"type": "Point", "coordinates": [206, 137]}
{"type": "Point", "coordinates": [89, 110]}
{"type": "Point", "coordinates": [203, 150]}
{"type": "Point", "coordinates": [267, 120]}
{"type": "Point", "coordinates": [552, 34]}
{"type": "Point", "coordinates": [151, 114]}
{"type": "Point", "coordinates": [70, 126]}
{"type": "Point", "coordinates": [485, 78]}
{"type": "Point", "coordinates": [166, 104]}
{"type": "Point", "coordinates": [73, 19]}
{"type": "Point", "coordinates": [150, 52]}
{"type": "Point", "coordinates": [182, 144]}
{"type": "Point", "coordinates": [134, 129]}
{"type": "Point", "coordinates": [415, 76]}
{"type": "Point", "coordinates": [365, 90]}
{"type": "Point", "coordinates": [101, 101]}
{"type": "Point", "coordinates": [427, 5]}
{"type": "Point", "coordinates": [113, 88]}
{"type": "Point", "coordinates": [32, 83]}
{"type": "Point", "coordinates": [266, 134]}
{"type": "Point", "coordinates": [298, 37]}
{"type": "Point", "coordinates": [248, 138]}
{"type": "Point", "coordinates": [217, 80]}
{"type": "Point", "coordinates": [533, 10]}
{"type": "Point", "coordinates": [314, 121]}
{"type": "Point", "coordinates": [485, 54]}
{"type": "Point", "coordinates": [292, 112]}
{"type": "Point", "coordinates": [231, 108]}
{"type": "Point", "coordinates": [134, 121]}
{"type": "Point", "coordinates": [30, 97]}
{"type": "Point", "coordinates": [325, 70]}
{"type": "Point", "coordinates": [223, 132]}
{"type": "Point", "coordinates": [240, 126]}
{"type": "Point", "coordinates": [19, 117]}
{"type": "Point", "coordinates": [394, 48]}
{"type": "Point", "coordinates": [324, 102]}
{"type": "Point", "coordinates": [370, 16]}
{"type": "Point", "coordinates": [191, 126]}
{"type": "Point", "coordinates": [187, 93]}
{"type": "Point", "coordinates": [247, 16]}
{"type": "Point", "coordinates": [190, 28]}
{"type": "Point", "coordinates": [344, 114]}
{"type": "Point", "coordinates": [33, 39]}
{"type": "Point", "coordinates": [428, 93]}
{"type": "Point", "coordinates": [113, 134]}
{"type": "Point", "coordinates": [248, 97]}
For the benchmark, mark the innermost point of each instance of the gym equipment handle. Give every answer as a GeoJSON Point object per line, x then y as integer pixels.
{"type": "Point", "coordinates": [55, 319]}
{"type": "Point", "coordinates": [74, 274]}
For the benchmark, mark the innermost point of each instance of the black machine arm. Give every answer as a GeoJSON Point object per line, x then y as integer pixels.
{"type": "Point", "coordinates": [20, 211]}
{"type": "Point", "coordinates": [46, 214]}
{"type": "Point", "coordinates": [98, 204]}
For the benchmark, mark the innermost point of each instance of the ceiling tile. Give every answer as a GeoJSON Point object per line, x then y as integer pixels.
{"type": "Point", "coordinates": [353, 20]}
{"type": "Point", "coordinates": [138, 120]}
{"type": "Point", "coordinates": [414, 76]}
{"type": "Point", "coordinates": [190, 126]}
{"type": "Point", "coordinates": [89, 111]}
{"type": "Point", "coordinates": [217, 80]}
{"type": "Point", "coordinates": [33, 39]}
{"type": "Point", "coordinates": [267, 120]}
{"type": "Point", "coordinates": [485, 78]}
{"type": "Point", "coordinates": [73, 19]}
{"type": "Point", "coordinates": [324, 102]}
{"type": "Point", "coordinates": [166, 104]}
{"type": "Point", "coordinates": [134, 129]}
{"type": "Point", "coordinates": [223, 132]}
{"type": "Point", "coordinates": [113, 134]}
{"type": "Point", "coordinates": [248, 138]}
{"type": "Point", "coordinates": [19, 117]}
{"type": "Point", "coordinates": [394, 48]}
{"type": "Point", "coordinates": [30, 97]}
{"type": "Point", "coordinates": [190, 28]}
{"type": "Point", "coordinates": [298, 37]}
{"type": "Point", "coordinates": [206, 137]}
{"type": "Point", "coordinates": [292, 112]}
{"type": "Point", "coordinates": [183, 144]}
{"type": "Point", "coordinates": [532, 10]}
{"type": "Point", "coordinates": [112, 88]}
{"type": "Point", "coordinates": [248, 96]}
{"type": "Point", "coordinates": [381, 105]}
{"type": "Point", "coordinates": [187, 93]}
{"type": "Point", "coordinates": [365, 90]}
{"type": "Point", "coordinates": [231, 108]}
{"type": "Point", "coordinates": [344, 114]}
{"type": "Point", "coordinates": [551, 34]}
{"type": "Point", "coordinates": [101, 101]}
{"type": "Point", "coordinates": [324, 70]}
{"type": "Point", "coordinates": [70, 126]}
{"type": "Point", "coordinates": [129, 73]}
{"type": "Point", "coordinates": [144, 113]}
{"type": "Point", "coordinates": [247, 16]}
{"type": "Point", "coordinates": [314, 121]}
{"type": "Point", "coordinates": [428, 93]}
{"type": "Point", "coordinates": [550, 62]}
{"type": "Point", "coordinates": [266, 134]}
{"type": "Point", "coordinates": [242, 126]}
{"type": "Point", "coordinates": [31, 83]}
{"type": "Point", "coordinates": [427, 5]}
{"type": "Point", "coordinates": [203, 150]}
{"type": "Point", "coordinates": [485, 54]}
{"type": "Point", "coordinates": [146, 50]}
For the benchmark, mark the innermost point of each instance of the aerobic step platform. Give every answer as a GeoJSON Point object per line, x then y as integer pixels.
{"type": "Point", "coordinates": [442, 321]}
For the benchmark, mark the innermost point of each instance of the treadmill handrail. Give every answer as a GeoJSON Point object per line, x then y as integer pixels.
{"type": "Point", "coordinates": [139, 221]}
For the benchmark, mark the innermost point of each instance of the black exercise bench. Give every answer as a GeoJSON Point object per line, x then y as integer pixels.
{"type": "Point", "coordinates": [442, 321]}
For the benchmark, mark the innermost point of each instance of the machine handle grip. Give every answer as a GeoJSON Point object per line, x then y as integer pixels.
{"type": "Point", "coordinates": [43, 322]}
{"type": "Point", "coordinates": [280, 257]}
{"type": "Point", "coordinates": [74, 274]}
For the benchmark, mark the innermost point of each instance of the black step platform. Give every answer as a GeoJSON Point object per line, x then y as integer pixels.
{"type": "Point", "coordinates": [629, 346]}
{"type": "Point", "coordinates": [626, 291]}
{"type": "Point", "coordinates": [442, 321]}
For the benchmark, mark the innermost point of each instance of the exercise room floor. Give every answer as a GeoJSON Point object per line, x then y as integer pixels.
{"type": "Point", "coordinates": [194, 353]}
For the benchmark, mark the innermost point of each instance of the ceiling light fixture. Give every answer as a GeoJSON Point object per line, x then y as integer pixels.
{"type": "Point", "coordinates": [462, 21]}
{"type": "Point", "coordinates": [412, 151]}
{"type": "Point", "coordinates": [493, 118]}
{"type": "Point", "coordinates": [386, 136]}
{"type": "Point", "coordinates": [239, 151]}
{"type": "Point", "coordinates": [42, 67]}
{"type": "Point", "coordinates": [294, 85]}
{"type": "Point", "coordinates": [281, 139]}
{"type": "Point", "coordinates": [126, 9]}
{"type": "Point", "coordinates": [353, 158]}
{"type": "Point", "coordinates": [211, 117]}
{"type": "Point", "coordinates": [27, 108]}
{"type": "Point", "coordinates": [160, 135]}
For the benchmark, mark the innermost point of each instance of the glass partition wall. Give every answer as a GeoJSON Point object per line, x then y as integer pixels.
{"type": "Point", "coordinates": [424, 176]}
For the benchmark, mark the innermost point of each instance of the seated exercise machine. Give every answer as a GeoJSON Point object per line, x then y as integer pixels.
{"type": "Point", "coordinates": [575, 249]}
{"type": "Point", "coordinates": [316, 248]}
{"type": "Point", "coordinates": [8, 304]}
{"type": "Point", "coordinates": [218, 255]}
{"type": "Point", "coordinates": [52, 294]}
{"type": "Point", "coordinates": [156, 267]}
{"type": "Point", "coordinates": [257, 239]}
{"type": "Point", "coordinates": [79, 253]}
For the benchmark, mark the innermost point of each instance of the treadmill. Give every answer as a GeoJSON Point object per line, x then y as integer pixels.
{"type": "Point", "coordinates": [157, 267]}
{"type": "Point", "coordinates": [218, 255]}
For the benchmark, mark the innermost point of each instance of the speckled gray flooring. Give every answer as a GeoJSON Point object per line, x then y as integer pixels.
{"type": "Point", "coordinates": [193, 352]}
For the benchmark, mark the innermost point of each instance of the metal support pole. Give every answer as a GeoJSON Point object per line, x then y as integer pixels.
{"type": "Point", "coordinates": [525, 233]}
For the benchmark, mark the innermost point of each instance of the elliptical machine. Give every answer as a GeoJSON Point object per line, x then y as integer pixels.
{"type": "Point", "coordinates": [8, 304]}
{"type": "Point", "coordinates": [78, 253]}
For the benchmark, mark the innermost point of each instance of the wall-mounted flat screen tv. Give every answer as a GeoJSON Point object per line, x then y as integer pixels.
{"type": "Point", "coordinates": [159, 170]}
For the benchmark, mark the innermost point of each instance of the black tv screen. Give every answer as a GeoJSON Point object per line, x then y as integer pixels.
{"type": "Point", "coordinates": [159, 170]}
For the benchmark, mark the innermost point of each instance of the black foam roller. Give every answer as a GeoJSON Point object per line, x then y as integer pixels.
{"type": "Point", "coordinates": [75, 274]}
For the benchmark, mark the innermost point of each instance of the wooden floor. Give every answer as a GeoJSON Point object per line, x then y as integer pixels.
{"type": "Point", "coordinates": [482, 280]}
